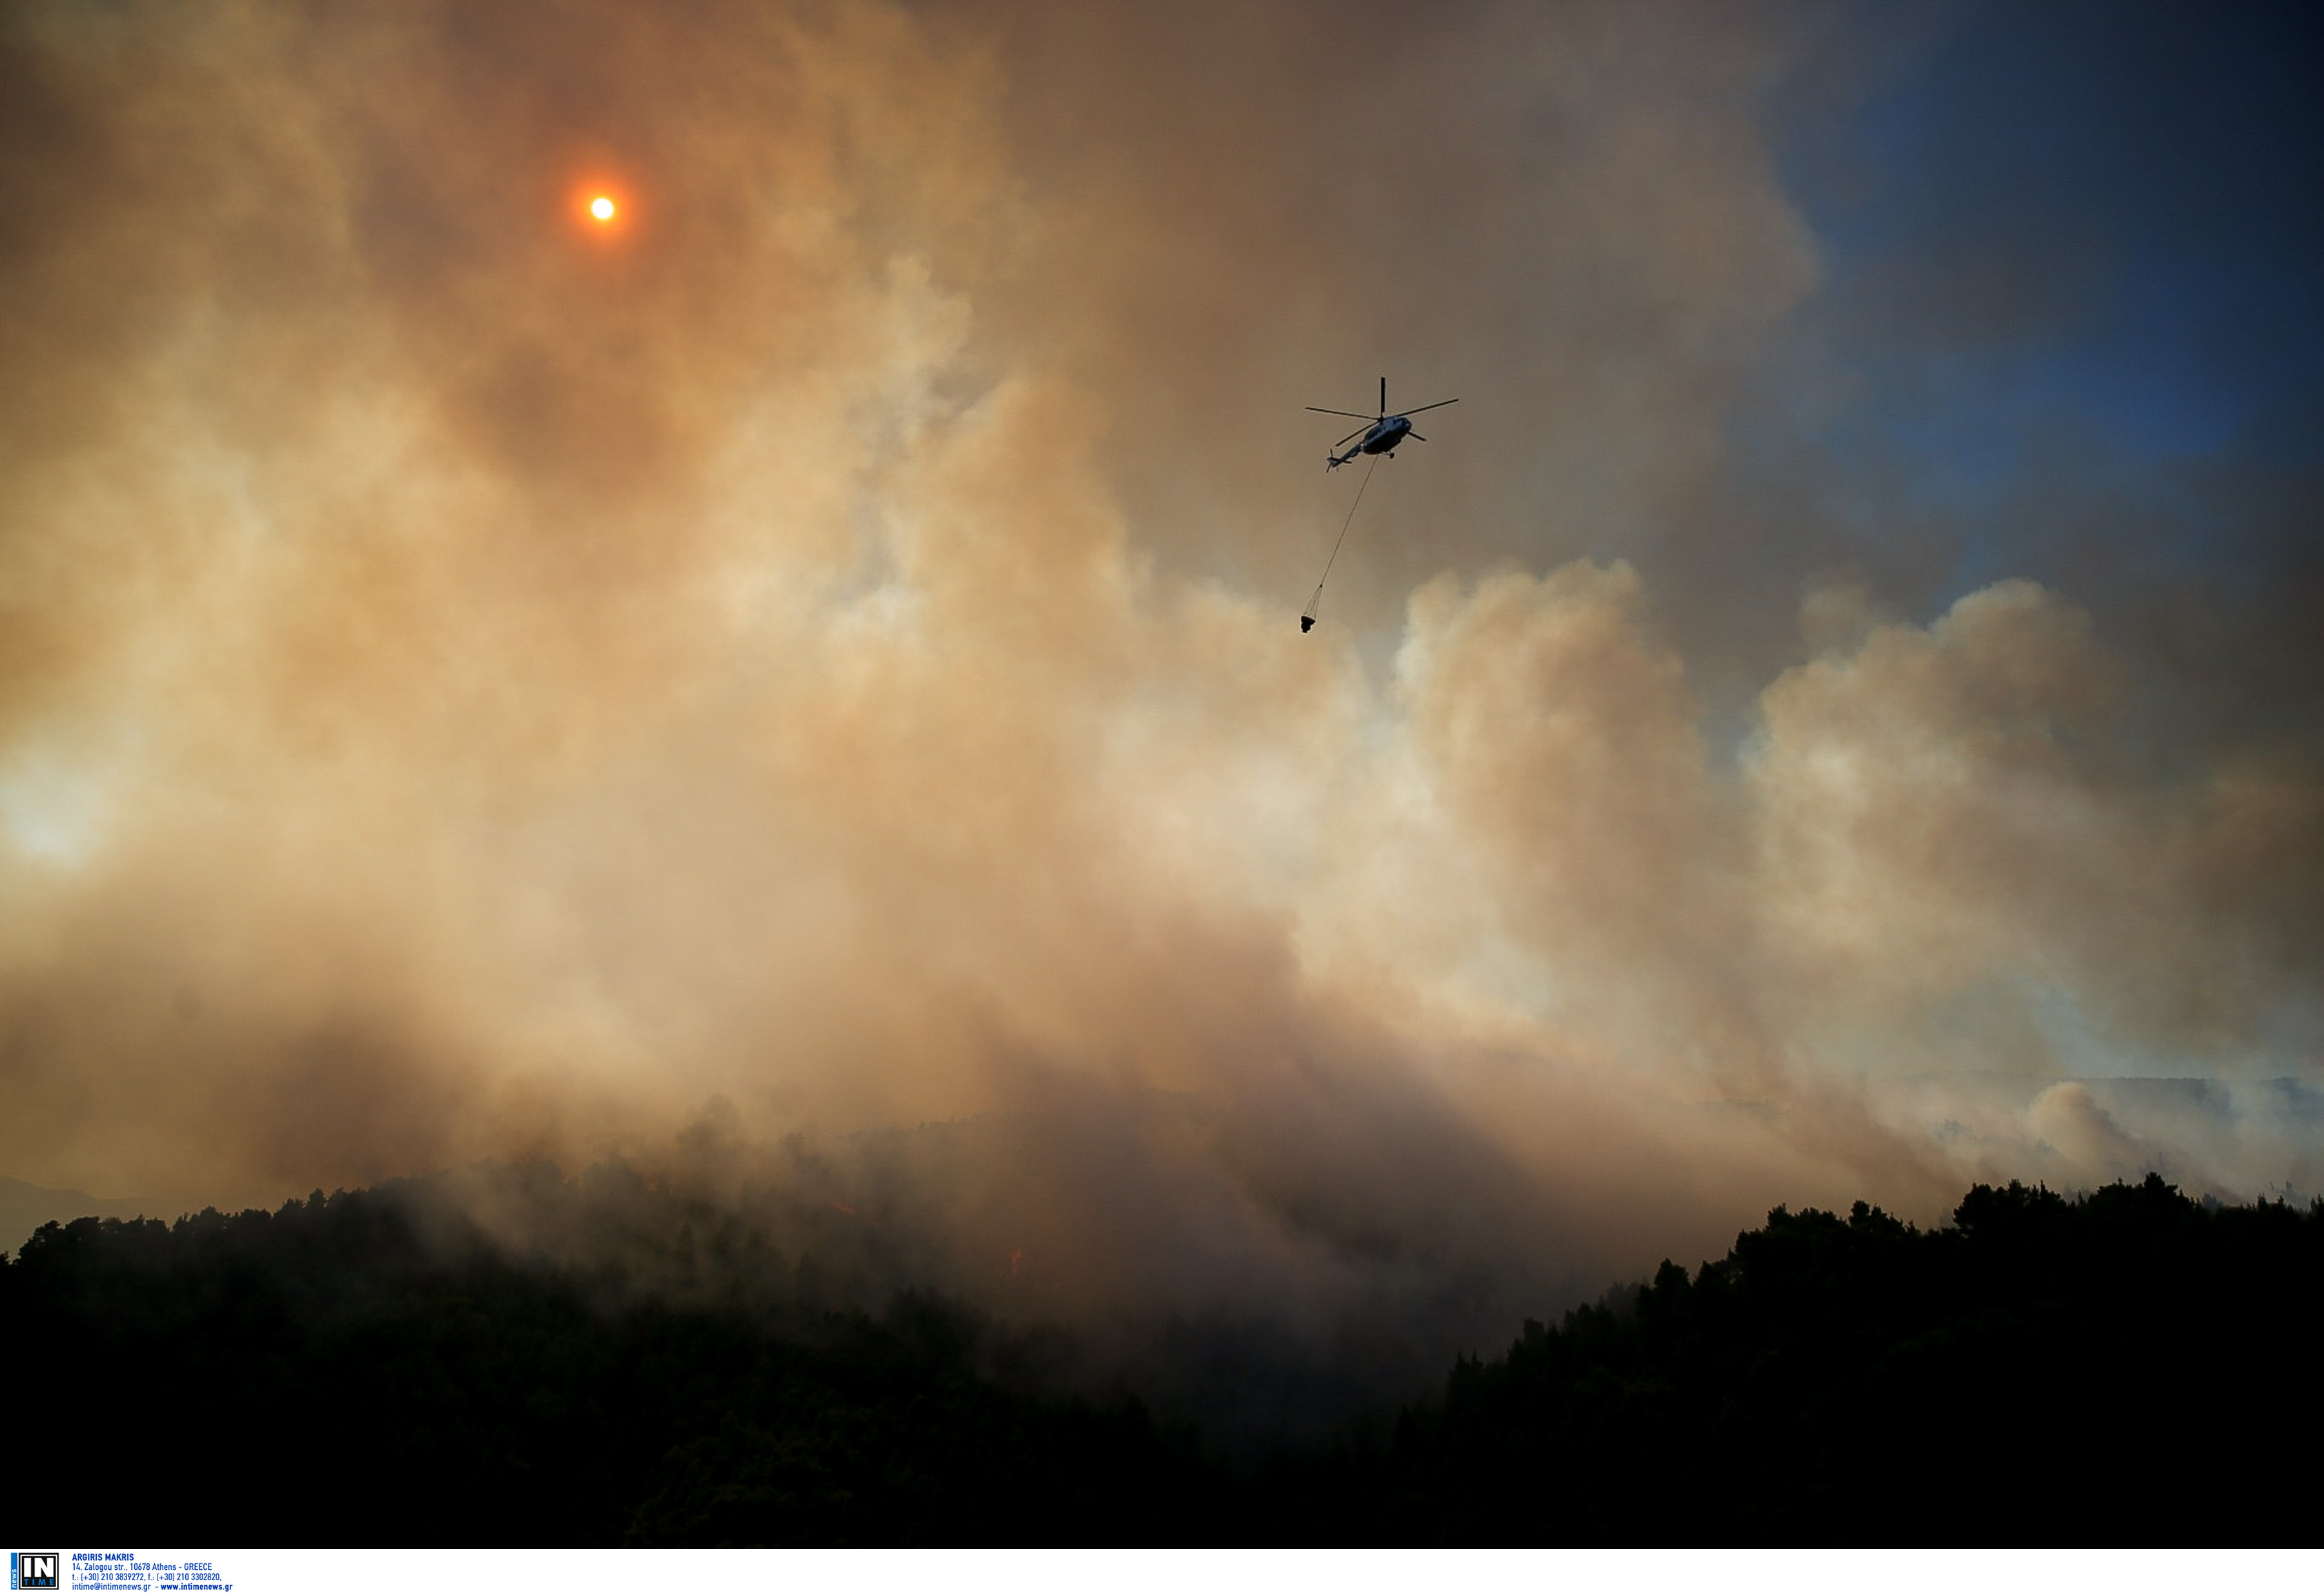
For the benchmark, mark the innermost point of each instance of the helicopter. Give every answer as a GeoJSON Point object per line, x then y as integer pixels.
{"type": "Point", "coordinates": [1380, 433]}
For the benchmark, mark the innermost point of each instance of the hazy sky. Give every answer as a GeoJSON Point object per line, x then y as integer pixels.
{"type": "Point", "coordinates": [1842, 687]}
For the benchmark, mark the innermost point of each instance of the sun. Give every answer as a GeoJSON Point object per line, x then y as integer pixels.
{"type": "Point", "coordinates": [601, 206]}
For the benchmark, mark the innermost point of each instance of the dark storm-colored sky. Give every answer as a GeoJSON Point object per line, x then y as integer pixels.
{"type": "Point", "coordinates": [2089, 223]}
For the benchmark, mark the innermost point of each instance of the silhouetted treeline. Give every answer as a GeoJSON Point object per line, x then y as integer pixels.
{"type": "Point", "coordinates": [2130, 1366]}
{"type": "Point", "coordinates": [358, 1369]}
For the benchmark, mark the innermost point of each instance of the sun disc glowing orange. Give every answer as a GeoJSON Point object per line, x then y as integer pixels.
{"type": "Point", "coordinates": [602, 209]}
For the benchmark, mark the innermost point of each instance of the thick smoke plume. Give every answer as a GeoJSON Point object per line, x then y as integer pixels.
{"type": "Point", "coordinates": [473, 684]}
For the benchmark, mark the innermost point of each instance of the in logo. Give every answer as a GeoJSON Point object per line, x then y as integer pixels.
{"type": "Point", "coordinates": [32, 1570]}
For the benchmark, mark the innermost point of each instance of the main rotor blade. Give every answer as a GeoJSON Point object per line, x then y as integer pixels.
{"type": "Point", "coordinates": [1358, 432]}
{"type": "Point", "coordinates": [1319, 409]}
{"type": "Point", "coordinates": [1383, 396]}
{"type": "Point", "coordinates": [1416, 437]}
{"type": "Point", "coordinates": [1440, 404]}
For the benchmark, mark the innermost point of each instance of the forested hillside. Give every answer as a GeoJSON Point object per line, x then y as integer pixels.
{"type": "Point", "coordinates": [345, 1371]}
{"type": "Point", "coordinates": [2133, 1365]}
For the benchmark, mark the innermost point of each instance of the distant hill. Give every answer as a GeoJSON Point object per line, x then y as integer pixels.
{"type": "Point", "coordinates": [26, 1208]}
{"type": "Point", "coordinates": [366, 1368]}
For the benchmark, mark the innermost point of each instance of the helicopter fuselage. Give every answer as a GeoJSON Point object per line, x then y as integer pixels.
{"type": "Point", "coordinates": [1383, 437]}
{"type": "Point", "coordinates": [1385, 432]}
